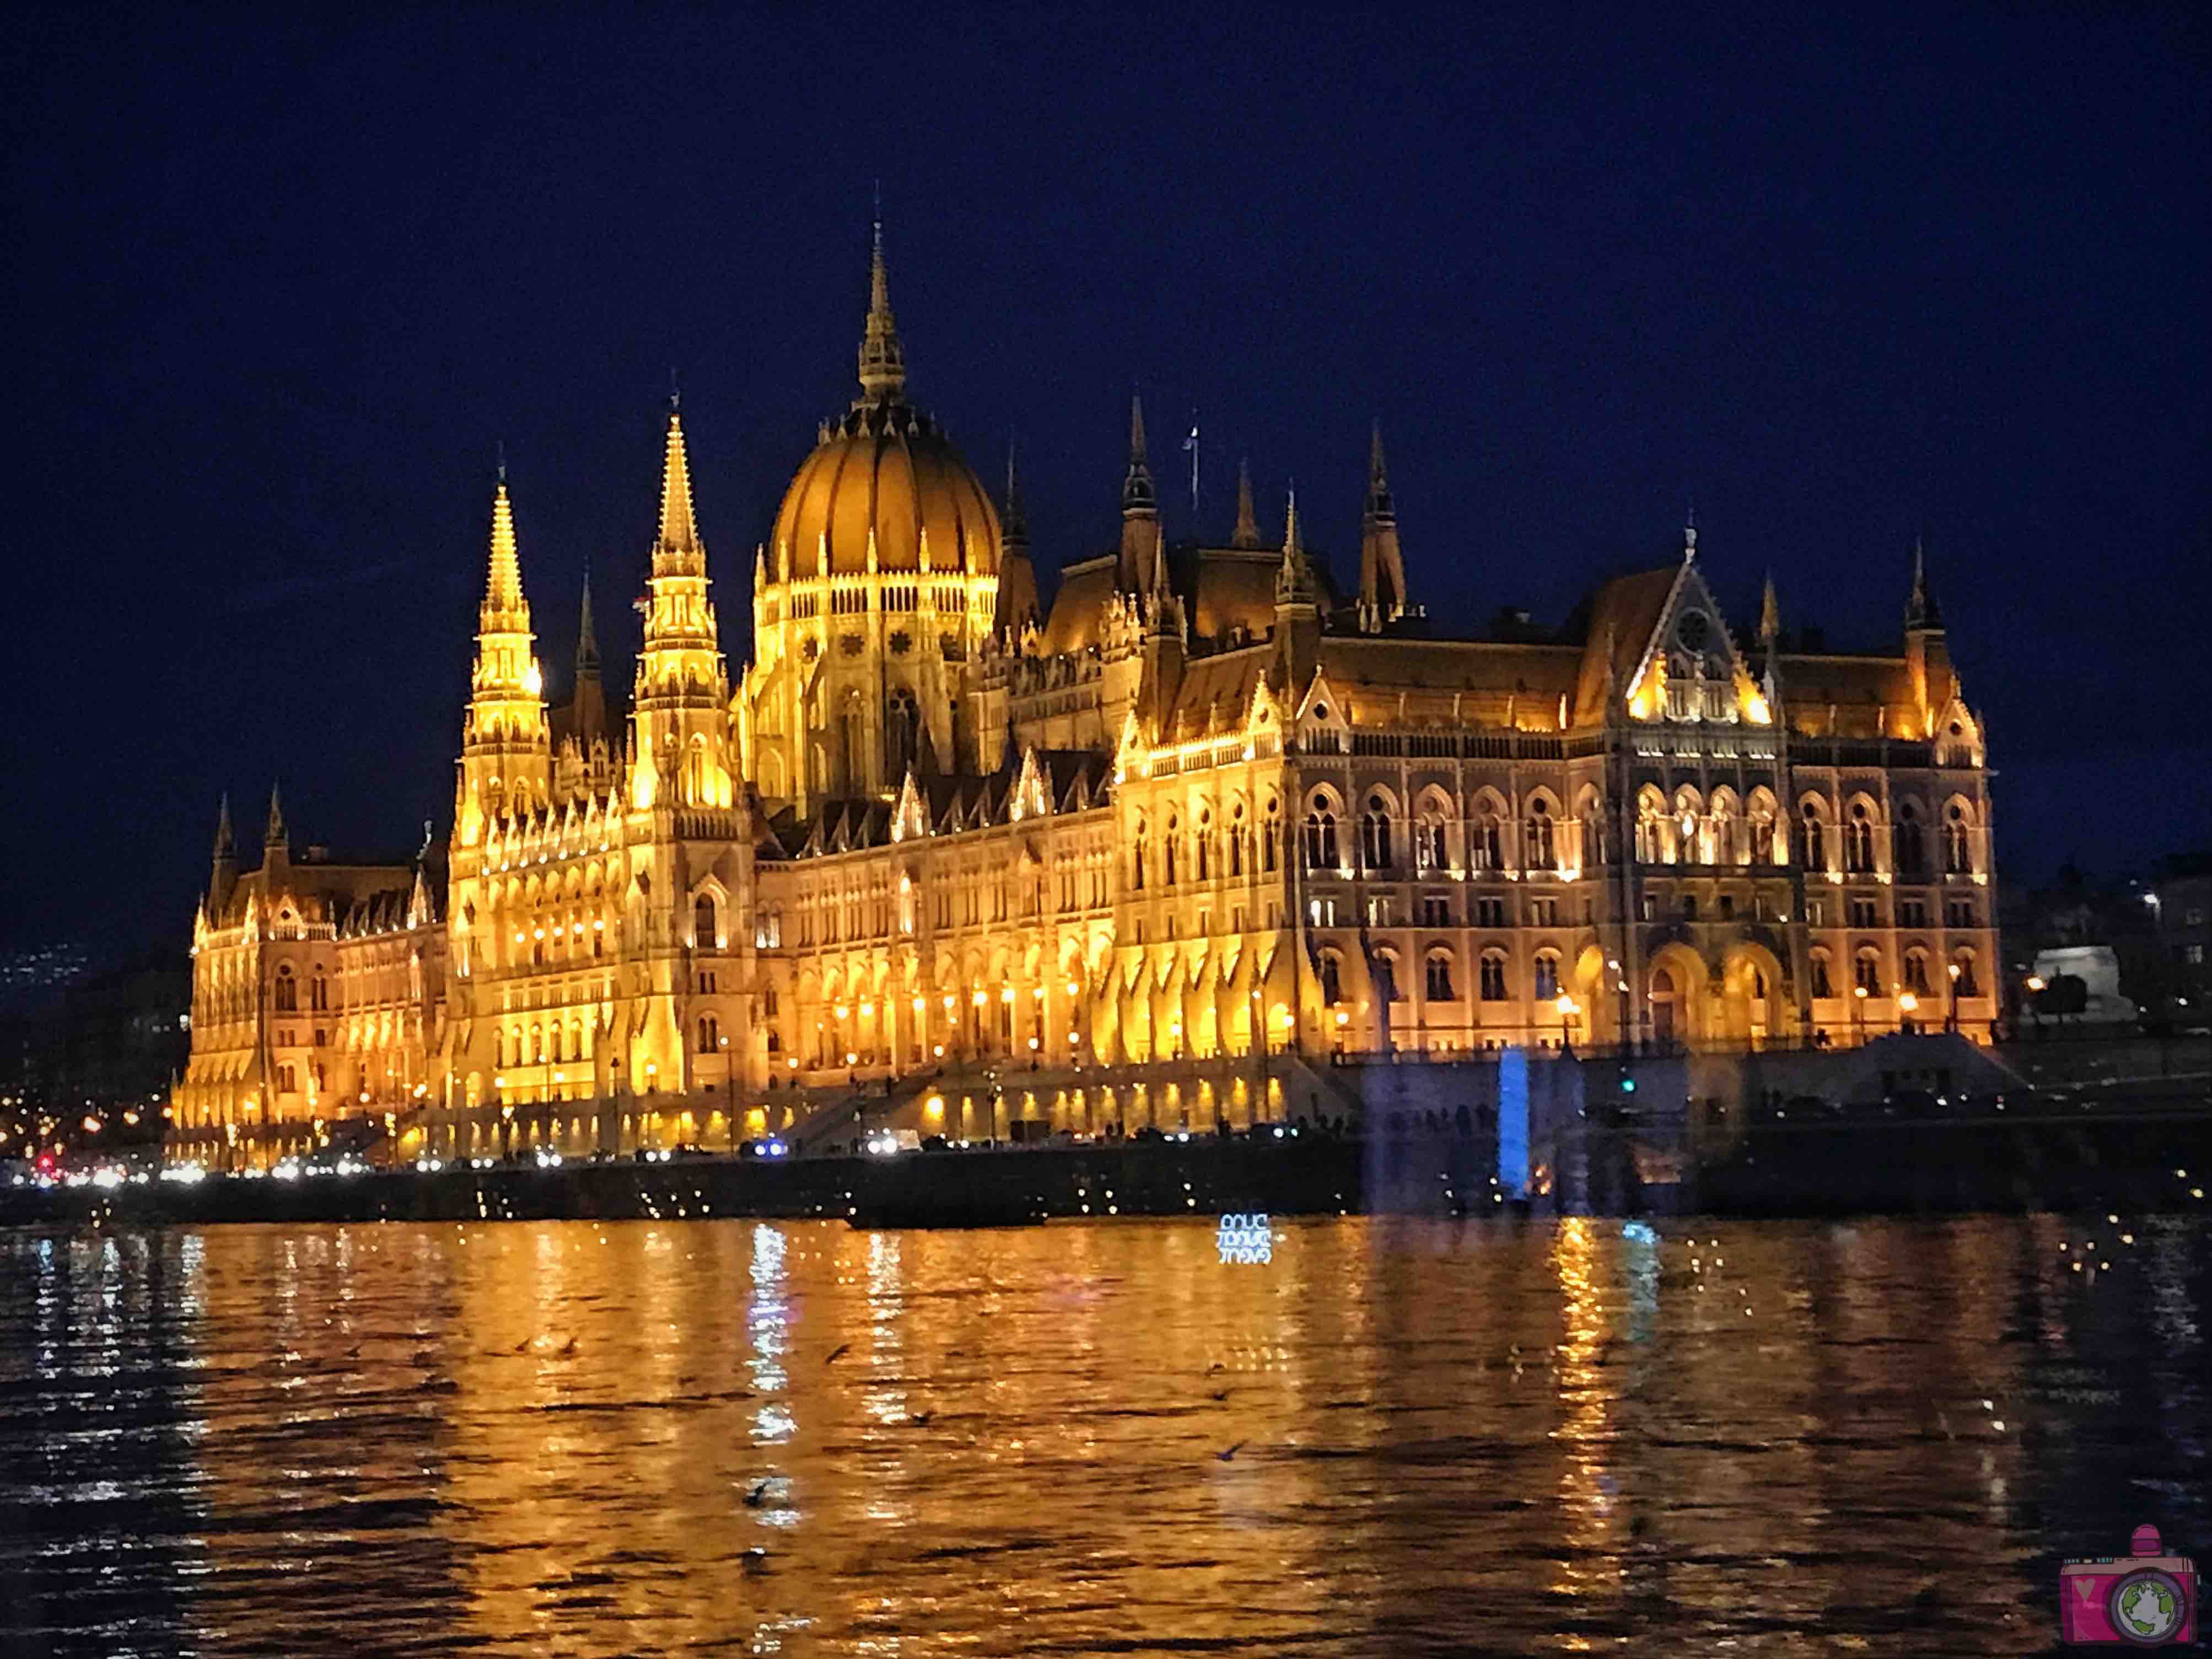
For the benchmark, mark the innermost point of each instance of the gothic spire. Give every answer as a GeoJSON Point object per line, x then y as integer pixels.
{"type": "Point", "coordinates": [679, 530]}
{"type": "Point", "coordinates": [1294, 581]}
{"type": "Point", "coordinates": [1137, 495]}
{"type": "Point", "coordinates": [883, 361]}
{"type": "Point", "coordinates": [1246, 533]}
{"type": "Point", "coordinates": [274, 835]}
{"type": "Point", "coordinates": [1770, 615]}
{"type": "Point", "coordinates": [1380, 508]}
{"type": "Point", "coordinates": [587, 639]}
{"type": "Point", "coordinates": [1016, 527]}
{"type": "Point", "coordinates": [503, 585]}
{"type": "Point", "coordinates": [1921, 610]}
{"type": "Point", "coordinates": [224, 845]}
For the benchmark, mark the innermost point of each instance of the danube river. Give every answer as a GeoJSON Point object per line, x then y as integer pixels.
{"type": "Point", "coordinates": [1390, 1438]}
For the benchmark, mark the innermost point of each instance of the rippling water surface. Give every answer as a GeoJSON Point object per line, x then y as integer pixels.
{"type": "Point", "coordinates": [1089, 1438]}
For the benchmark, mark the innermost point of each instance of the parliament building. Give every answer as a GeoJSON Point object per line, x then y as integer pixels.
{"type": "Point", "coordinates": [1209, 820]}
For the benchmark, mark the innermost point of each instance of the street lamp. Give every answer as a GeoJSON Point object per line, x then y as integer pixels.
{"type": "Point", "coordinates": [1951, 1019]}
{"type": "Point", "coordinates": [1858, 1011]}
{"type": "Point", "coordinates": [1568, 1010]}
{"type": "Point", "coordinates": [1907, 1003]}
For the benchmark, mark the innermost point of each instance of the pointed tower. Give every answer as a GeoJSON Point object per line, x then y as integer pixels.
{"type": "Point", "coordinates": [223, 875]}
{"type": "Point", "coordinates": [1141, 570]}
{"type": "Point", "coordinates": [507, 757]}
{"type": "Point", "coordinates": [590, 725]}
{"type": "Point", "coordinates": [1297, 606]}
{"type": "Point", "coordinates": [1769, 616]}
{"type": "Point", "coordinates": [1246, 533]}
{"type": "Point", "coordinates": [680, 712]}
{"type": "Point", "coordinates": [883, 361]}
{"type": "Point", "coordinates": [276, 840]}
{"type": "Point", "coordinates": [1927, 652]}
{"type": "Point", "coordinates": [1382, 569]}
{"type": "Point", "coordinates": [1018, 591]}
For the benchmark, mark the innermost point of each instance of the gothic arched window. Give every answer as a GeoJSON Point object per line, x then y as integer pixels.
{"type": "Point", "coordinates": [1958, 842]}
{"type": "Point", "coordinates": [703, 931]}
{"type": "Point", "coordinates": [1321, 839]}
{"type": "Point", "coordinates": [1858, 841]}
{"type": "Point", "coordinates": [1543, 854]}
{"type": "Point", "coordinates": [1375, 834]}
{"type": "Point", "coordinates": [1438, 981]}
{"type": "Point", "coordinates": [1493, 977]}
{"type": "Point", "coordinates": [1911, 841]}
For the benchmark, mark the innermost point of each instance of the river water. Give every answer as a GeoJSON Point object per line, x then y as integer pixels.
{"type": "Point", "coordinates": [1392, 1438]}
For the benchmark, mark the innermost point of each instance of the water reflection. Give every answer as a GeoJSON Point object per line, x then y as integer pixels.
{"type": "Point", "coordinates": [1397, 1437]}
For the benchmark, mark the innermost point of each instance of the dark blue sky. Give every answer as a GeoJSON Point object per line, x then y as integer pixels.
{"type": "Point", "coordinates": [278, 288]}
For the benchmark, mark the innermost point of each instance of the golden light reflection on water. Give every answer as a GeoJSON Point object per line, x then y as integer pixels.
{"type": "Point", "coordinates": [1398, 1438]}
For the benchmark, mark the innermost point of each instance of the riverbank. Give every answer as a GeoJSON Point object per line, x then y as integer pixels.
{"type": "Point", "coordinates": [2135, 1162]}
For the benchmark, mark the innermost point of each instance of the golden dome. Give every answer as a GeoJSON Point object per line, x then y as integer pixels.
{"type": "Point", "coordinates": [883, 470]}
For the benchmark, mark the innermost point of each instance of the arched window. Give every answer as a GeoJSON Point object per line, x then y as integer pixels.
{"type": "Point", "coordinates": [1911, 841]}
{"type": "Point", "coordinates": [1430, 850]}
{"type": "Point", "coordinates": [1202, 847]}
{"type": "Point", "coordinates": [1822, 987]}
{"type": "Point", "coordinates": [288, 992]}
{"type": "Point", "coordinates": [1270, 838]}
{"type": "Point", "coordinates": [319, 992]}
{"type": "Point", "coordinates": [1958, 842]}
{"type": "Point", "coordinates": [1724, 822]}
{"type": "Point", "coordinates": [1237, 830]}
{"type": "Point", "coordinates": [498, 1046]}
{"type": "Point", "coordinates": [1868, 972]}
{"type": "Point", "coordinates": [1321, 839]}
{"type": "Point", "coordinates": [1762, 829]}
{"type": "Point", "coordinates": [1137, 857]}
{"type": "Point", "coordinates": [1488, 852]}
{"type": "Point", "coordinates": [710, 1033]}
{"type": "Point", "coordinates": [1375, 834]}
{"type": "Point", "coordinates": [1963, 979]}
{"type": "Point", "coordinates": [1438, 980]}
{"type": "Point", "coordinates": [1493, 976]}
{"type": "Point", "coordinates": [1655, 829]}
{"type": "Point", "coordinates": [1916, 972]}
{"type": "Point", "coordinates": [537, 1045]}
{"type": "Point", "coordinates": [902, 729]}
{"type": "Point", "coordinates": [1593, 818]}
{"type": "Point", "coordinates": [702, 922]}
{"type": "Point", "coordinates": [1332, 982]}
{"type": "Point", "coordinates": [1547, 976]}
{"type": "Point", "coordinates": [1858, 841]}
{"type": "Point", "coordinates": [1813, 842]}
{"type": "Point", "coordinates": [1542, 850]}
{"type": "Point", "coordinates": [1168, 836]}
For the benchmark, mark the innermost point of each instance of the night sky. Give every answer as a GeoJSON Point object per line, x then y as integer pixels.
{"type": "Point", "coordinates": [277, 290]}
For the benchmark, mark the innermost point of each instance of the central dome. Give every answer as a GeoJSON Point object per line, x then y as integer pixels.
{"type": "Point", "coordinates": [884, 472]}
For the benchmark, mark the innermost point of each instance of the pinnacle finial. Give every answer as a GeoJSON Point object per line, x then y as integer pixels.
{"type": "Point", "coordinates": [1690, 532]}
{"type": "Point", "coordinates": [1246, 533]}
{"type": "Point", "coordinates": [1291, 542]}
{"type": "Point", "coordinates": [883, 361]}
{"type": "Point", "coordinates": [274, 835]}
{"type": "Point", "coordinates": [1136, 429]}
{"type": "Point", "coordinates": [223, 840]}
{"type": "Point", "coordinates": [1770, 615]}
{"type": "Point", "coordinates": [679, 529]}
{"type": "Point", "coordinates": [500, 450]}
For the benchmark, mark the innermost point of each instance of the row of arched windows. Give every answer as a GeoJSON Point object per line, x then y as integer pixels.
{"type": "Point", "coordinates": [1439, 978]}
{"type": "Point", "coordinates": [1203, 854]}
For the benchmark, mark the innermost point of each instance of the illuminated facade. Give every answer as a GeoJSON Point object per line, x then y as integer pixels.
{"type": "Point", "coordinates": [1206, 812]}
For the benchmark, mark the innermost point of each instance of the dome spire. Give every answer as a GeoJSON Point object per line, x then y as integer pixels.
{"type": "Point", "coordinates": [1921, 610]}
{"type": "Point", "coordinates": [883, 361]}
